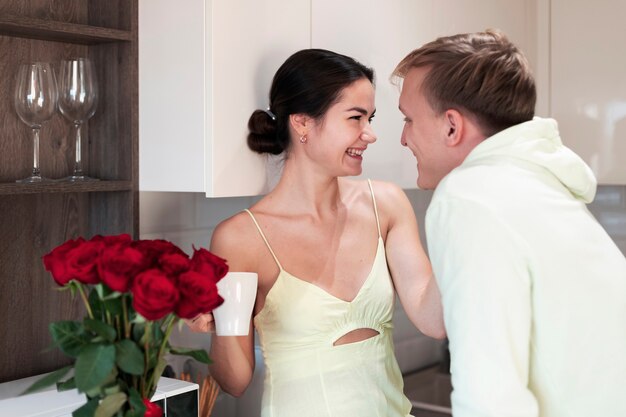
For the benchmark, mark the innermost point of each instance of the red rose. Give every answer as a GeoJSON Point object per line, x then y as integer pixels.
{"type": "Point", "coordinates": [118, 264]}
{"type": "Point", "coordinates": [208, 264]}
{"type": "Point", "coordinates": [198, 294]}
{"type": "Point", "coordinates": [153, 249]}
{"type": "Point", "coordinates": [154, 295]}
{"type": "Point", "coordinates": [55, 262]}
{"type": "Point", "coordinates": [174, 263]}
{"type": "Point", "coordinates": [152, 410]}
{"type": "Point", "coordinates": [82, 262]}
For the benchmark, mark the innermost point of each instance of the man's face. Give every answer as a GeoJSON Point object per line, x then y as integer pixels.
{"type": "Point", "coordinates": [424, 132]}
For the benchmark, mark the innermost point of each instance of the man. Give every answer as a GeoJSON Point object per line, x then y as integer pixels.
{"type": "Point", "coordinates": [534, 290]}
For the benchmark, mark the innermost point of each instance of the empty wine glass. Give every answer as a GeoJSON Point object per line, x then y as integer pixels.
{"type": "Point", "coordinates": [36, 98]}
{"type": "Point", "coordinates": [78, 99]}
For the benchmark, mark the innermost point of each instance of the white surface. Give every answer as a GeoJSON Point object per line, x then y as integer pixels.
{"type": "Point", "coordinates": [588, 82]}
{"type": "Point", "coordinates": [50, 403]}
{"type": "Point", "coordinates": [204, 67]}
{"type": "Point", "coordinates": [380, 34]}
{"type": "Point", "coordinates": [233, 317]}
{"type": "Point", "coordinates": [171, 95]}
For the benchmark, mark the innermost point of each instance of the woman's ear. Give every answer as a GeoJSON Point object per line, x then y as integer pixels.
{"type": "Point", "coordinates": [453, 125]}
{"type": "Point", "coordinates": [300, 123]}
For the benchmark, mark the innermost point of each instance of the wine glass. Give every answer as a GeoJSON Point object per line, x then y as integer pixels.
{"type": "Point", "coordinates": [36, 98]}
{"type": "Point", "coordinates": [78, 99]}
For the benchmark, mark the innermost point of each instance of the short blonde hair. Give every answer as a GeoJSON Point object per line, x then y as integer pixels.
{"type": "Point", "coordinates": [482, 73]}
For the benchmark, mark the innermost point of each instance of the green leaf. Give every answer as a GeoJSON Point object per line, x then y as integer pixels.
{"type": "Point", "coordinates": [101, 389]}
{"type": "Point", "coordinates": [69, 336]}
{"type": "Point", "coordinates": [113, 306]}
{"type": "Point", "coordinates": [200, 355]}
{"type": "Point", "coordinates": [47, 380]}
{"type": "Point", "coordinates": [129, 357]}
{"type": "Point", "coordinates": [87, 410]}
{"type": "Point", "coordinates": [114, 389]}
{"type": "Point", "coordinates": [95, 304]}
{"type": "Point", "coordinates": [138, 332]}
{"type": "Point", "coordinates": [66, 385]}
{"type": "Point", "coordinates": [93, 366]}
{"type": "Point", "coordinates": [113, 295]}
{"type": "Point", "coordinates": [111, 405]}
{"type": "Point", "coordinates": [136, 402]}
{"type": "Point", "coordinates": [100, 328]}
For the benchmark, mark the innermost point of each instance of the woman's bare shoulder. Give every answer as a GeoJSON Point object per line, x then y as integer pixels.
{"type": "Point", "coordinates": [235, 239]}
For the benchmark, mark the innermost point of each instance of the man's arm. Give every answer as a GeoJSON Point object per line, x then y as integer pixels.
{"type": "Point", "coordinates": [482, 268]}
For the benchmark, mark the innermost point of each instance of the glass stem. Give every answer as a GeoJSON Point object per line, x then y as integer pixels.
{"type": "Point", "coordinates": [78, 167]}
{"type": "Point", "coordinates": [36, 171]}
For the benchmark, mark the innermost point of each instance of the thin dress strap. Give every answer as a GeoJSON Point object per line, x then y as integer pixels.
{"type": "Point", "coordinates": [264, 239]}
{"type": "Point", "coordinates": [375, 208]}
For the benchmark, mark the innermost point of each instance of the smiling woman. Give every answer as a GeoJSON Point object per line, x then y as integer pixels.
{"type": "Point", "coordinates": [329, 253]}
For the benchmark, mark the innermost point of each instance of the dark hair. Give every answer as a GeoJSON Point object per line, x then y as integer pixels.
{"type": "Point", "coordinates": [308, 82]}
{"type": "Point", "coordinates": [483, 73]}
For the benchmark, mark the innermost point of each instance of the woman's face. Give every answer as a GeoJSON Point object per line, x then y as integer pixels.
{"type": "Point", "coordinates": [340, 139]}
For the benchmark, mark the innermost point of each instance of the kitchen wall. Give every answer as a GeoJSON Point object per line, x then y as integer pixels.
{"type": "Point", "coordinates": [189, 219]}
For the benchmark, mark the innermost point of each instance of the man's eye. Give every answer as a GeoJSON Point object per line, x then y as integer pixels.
{"type": "Point", "coordinates": [406, 120]}
{"type": "Point", "coordinates": [371, 118]}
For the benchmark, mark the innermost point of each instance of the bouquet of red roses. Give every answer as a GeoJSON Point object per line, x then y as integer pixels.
{"type": "Point", "coordinates": [134, 292]}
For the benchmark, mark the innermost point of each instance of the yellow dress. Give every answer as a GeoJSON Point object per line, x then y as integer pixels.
{"type": "Point", "coordinates": [305, 374]}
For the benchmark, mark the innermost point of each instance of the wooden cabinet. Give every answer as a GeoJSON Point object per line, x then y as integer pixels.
{"type": "Point", "coordinates": [205, 66]}
{"type": "Point", "coordinates": [36, 218]}
{"type": "Point", "coordinates": [587, 84]}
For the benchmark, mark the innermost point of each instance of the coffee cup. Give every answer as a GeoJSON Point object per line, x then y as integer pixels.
{"type": "Point", "coordinates": [238, 289]}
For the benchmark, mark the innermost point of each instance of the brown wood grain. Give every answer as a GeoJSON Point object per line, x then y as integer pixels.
{"type": "Point", "coordinates": [36, 218]}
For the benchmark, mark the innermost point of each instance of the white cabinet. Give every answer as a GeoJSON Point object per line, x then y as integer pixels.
{"type": "Point", "coordinates": [588, 82]}
{"type": "Point", "coordinates": [204, 66]}
{"type": "Point", "coordinates": [380, 34]}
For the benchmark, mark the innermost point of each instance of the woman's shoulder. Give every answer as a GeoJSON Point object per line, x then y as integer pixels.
{"type": "Point", "coordinates": [234, 237]}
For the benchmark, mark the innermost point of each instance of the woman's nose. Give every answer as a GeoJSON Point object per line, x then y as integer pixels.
{"type": "Point", "coordinates": [368, 135]}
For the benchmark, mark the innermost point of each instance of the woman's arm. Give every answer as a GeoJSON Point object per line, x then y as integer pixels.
{"type": "Point", "coordinates": [232, 356]}
{"type": "Point", "coordinates": [410, 267]}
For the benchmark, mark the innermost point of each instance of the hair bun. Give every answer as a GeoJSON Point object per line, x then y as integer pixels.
{"type": "Point", "coordinates": [262, 136]}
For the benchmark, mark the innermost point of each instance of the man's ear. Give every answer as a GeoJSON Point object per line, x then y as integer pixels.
{"type": "Point", "coordinates": [301, 123]}
{"type": "Point", "coordinates": [454, 127]}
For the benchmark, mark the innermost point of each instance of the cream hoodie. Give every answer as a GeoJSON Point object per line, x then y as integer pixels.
{"type": "Point", "coordinates": [534, 290]}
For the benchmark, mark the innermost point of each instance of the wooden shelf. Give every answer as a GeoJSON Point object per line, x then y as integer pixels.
{"type": "Point", "coordinates": [35, 218]}
{"type": "Point", "coordinates": [65, 187]}
{"type": "Point", "coordinates": [27, 27]}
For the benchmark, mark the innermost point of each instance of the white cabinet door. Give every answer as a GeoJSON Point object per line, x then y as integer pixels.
{"type": "Point", "coordinates": [204, 66]}
{"type": "Point", "coordinates": [172, 95]}
{"type": "Point", "coordinates": [381, 33]}
{"type": "Point", "coordinates": [588, 82]}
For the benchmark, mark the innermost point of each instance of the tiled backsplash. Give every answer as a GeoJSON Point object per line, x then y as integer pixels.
{"type": "Point", "coordinates": [189, 219]}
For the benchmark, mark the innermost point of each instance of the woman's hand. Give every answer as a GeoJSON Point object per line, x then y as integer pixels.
{"type": "Point", "coordinates": [203, 323]}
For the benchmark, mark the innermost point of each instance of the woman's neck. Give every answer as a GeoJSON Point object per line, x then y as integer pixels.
{"type": "Point", "coordinates": [306, 190]}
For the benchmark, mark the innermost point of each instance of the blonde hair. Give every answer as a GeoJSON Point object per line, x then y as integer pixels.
{"type": "Point", "coordinates": [482, 73]}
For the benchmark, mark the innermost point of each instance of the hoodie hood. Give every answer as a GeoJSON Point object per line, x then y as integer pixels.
{"type": "Point", "coordinates": [538, 142]}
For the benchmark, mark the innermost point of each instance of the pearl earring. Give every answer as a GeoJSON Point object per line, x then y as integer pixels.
{"type": "Point", "coordinates": [303, 139]}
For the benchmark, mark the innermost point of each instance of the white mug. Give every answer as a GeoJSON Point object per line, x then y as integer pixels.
{"type": "Point", "coordinates": [238, 289]}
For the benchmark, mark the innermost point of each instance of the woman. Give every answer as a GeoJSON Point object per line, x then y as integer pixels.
{"type": "Point", "coordinates": [323, 247]}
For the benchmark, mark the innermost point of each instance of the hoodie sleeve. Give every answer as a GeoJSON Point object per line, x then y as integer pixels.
{"type": "Point", "coordinates": [482, 270]}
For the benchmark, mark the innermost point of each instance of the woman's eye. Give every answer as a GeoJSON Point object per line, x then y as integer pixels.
{"type": "Point", "coordinates": [406, 120]}
{"type": "Point", "coordinates": [356, 117]}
